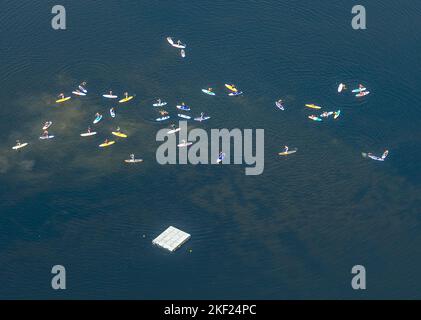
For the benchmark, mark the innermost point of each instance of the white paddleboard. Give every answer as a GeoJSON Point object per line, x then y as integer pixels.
{"type": "Point", "coordinates": [341, 87]}
{"type": "Point", "coordinates": [78, 93]}
{"type": "Point", "coordinates": [88, 134]}
{"type": "Point", "coordinates": [288, 152]}
{"type": "Point", "coordinates": [183, 53]}
{"type": "Point", "coordinates": [110, 96]}
{"type": "Point", "coordinates": [160, 104]}
{"type": "Point", "coordinates": [174, 131]}
{"type": "Point", "coordinates": [279, 105]}
{"type": "Point", "coordinates": [184, 116]}
{"type": "Point", "coordinates": [176, 45]}
{"type": "Point", "coordinates": [46, 137]}
{"type": "Point", "coordinates": [47, 125]}
{"type": "Point", "coordinates": [184, 144]}
{"type": "Point", "coordinates": [200, 119]}
{"type": "Point", "coordinates": [133, 160]}
{"type": "Point", "coordinates": [22, 145]}
{"type": "Point", "coordinates": [162, 118]}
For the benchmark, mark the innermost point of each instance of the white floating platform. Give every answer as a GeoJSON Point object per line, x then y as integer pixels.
{"type": "Point", "coordinates": [171, 239]}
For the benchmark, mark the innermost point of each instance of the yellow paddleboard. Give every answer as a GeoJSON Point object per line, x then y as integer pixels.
{"type": "Point", "coordinates": [62, 100]}
{"type": "Point", "coordinates": [106, 144]}
{"type": "Point", "coordinates": [313, 106]}
{"type": "Point", "coordinates": [232, 88]}
{"type": "Point", "coordinates": [119, 134]}
{"type": "Point", "coordinates": [126, 99]}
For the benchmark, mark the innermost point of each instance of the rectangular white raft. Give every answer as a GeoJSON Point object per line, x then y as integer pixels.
{"type": "Point", "coordinates": [171, 239]}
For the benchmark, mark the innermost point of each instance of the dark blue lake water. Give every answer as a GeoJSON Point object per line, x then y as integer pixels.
{"type": "Point", "coordinates": [293, 232]}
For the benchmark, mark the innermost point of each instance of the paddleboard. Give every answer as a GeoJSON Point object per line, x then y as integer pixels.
{"type": "Point", "coordinates": [78, 93]}
{"type": "Point", "coordinates": [119, 134]}
{"type": "Point", "coordinates": [220, 158]}
{"type": "Point", "coordinates": [83, 89]}
{"type": "Point", "coordinates": [160, 104]}
{"type": "Point", "coordinates": [22, 145]}
{"type": "Point", "coordinates": [110, 96]}
{"type": "Point", "coordinates": [97, 119]}
{"type": "Point", "coordinates": [313, 106]}
{"type": "Point", "coordinates": [112, 113]}
{"type": "Point", "coordinates": [208, 92]}
{"type": "Point", "coordinates": [337, 114]}
{"type": "Point", "coordinates": [237, 93]}
{"type": "Point", "coordinates": [288, 152]}
{"type": "Point", "coordinates": [326, 114]}
{"type": "Point", "coordinates": [106, 144]}
{"type": "Point", "coordinates": [341, 87]}
{"type": "Point", "coordinates": [162, 118]}
{"type": "Point", "coordinates": [176, 45]}
{"type": "Point", "coordinates": [47, 125]}
{"type": "Point", "coordinates": [314, 118]}
{"type": "Point", "coordinates": [179, 46]}
{"type": "Point", "coordinates": [279, 105]}
{"type": "Point", "coordinates": [63, 99]}
{"type": "Point", "coordinates": [359, 90]}
{"type": "Point", "coordinates": [46, 137]}
{"type": "Point", "coordinates": [133, 160]}
{"type": "Point", "coordinates": [362, 94]}
{"type": "Point", "coordinates": [184, 144]}
{"type": "Point", "coordinates": [202, 118]}
{"type": "Point", "coordinates": [184, 108]}
{"type": "Point", "coordinates": [184, 116]}
{"type": "Point", "coordinates": [87, 134]}
{"type": "Point", "coordinates": [231, 87]}
{"type": "Point", "coordinates": [126, 99]}
{"type": "Point", "coordinates": [174, 131]}
{"type": "Point", "coordinates": [373, 157]}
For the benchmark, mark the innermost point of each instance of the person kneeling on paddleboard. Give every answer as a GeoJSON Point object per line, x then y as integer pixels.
{"type": "Point", "coordinates": [286, 149]}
